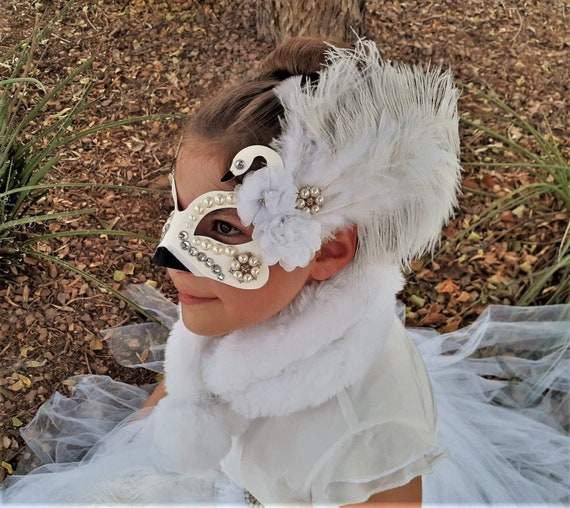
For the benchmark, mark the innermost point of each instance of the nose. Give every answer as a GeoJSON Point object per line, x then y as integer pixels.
{"type": "Point", "coordinates": [163, 257]}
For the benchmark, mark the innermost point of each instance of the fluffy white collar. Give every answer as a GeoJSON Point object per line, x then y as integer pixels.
{"type": "Point", "coordinates": [324, 341]}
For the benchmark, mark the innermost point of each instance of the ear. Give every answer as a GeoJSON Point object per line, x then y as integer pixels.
{"type": "Point", "coordinates": [335, 254]}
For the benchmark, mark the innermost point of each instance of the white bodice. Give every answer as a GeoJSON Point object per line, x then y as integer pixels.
{"type": "Point", "coordinates": [330, 453]}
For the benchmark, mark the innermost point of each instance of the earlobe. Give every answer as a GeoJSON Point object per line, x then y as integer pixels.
{"type": "Point", "coordinates": [335, 254]}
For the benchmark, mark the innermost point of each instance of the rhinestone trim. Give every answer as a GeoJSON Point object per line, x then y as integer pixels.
{"type": "Point", "coordinates": [251, 501]}
{"type": "Point", "coordinates": [200, 256]}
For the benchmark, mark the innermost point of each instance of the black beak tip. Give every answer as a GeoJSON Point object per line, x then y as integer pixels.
{"type": "Point", "coordinates": [163, 257]}
{"type": "Point", "coordinates": [227, 177]}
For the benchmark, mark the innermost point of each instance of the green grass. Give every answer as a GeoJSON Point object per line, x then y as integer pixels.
{"type": "Point", "coordinates": [35, 132]}
{"type": "Point", "coordinates": [549, 282]}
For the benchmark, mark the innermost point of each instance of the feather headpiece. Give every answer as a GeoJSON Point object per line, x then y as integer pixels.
{"type": "Point", "coordinates": [380, 141]}
{"type": "Point", "coordinates": [368, 143]}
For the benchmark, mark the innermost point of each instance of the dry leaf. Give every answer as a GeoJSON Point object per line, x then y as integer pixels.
{"type": "Point", "coordinates": [498, 278]}
{"type": "Point", "coordinates": [418, 301]}
{"type": "Point", "coordinates": [451, 325]}
{"type": "Point", "coordinates": [519, 211]}
{"type": "Point", "coordinates": [488, 181]}
{"type": "Point", "coordinates": [25, 350]}
{"type": "Point", "coordinates": [119, 276]}
{"type": "Point", "coordinates": [96, 344]}
{"type": "Point", "coordinates": [143, 356]}
{"type": "Point", "coordinates": [35, 363]}
{"type": "Point", "coordinates": [469, 183]}
{"type": "Point", "coordinates": [17, 386]}
{"type": "Point", "coordinates": [525, 267]}
{"type": "Point", "coordinates": [133, 343]}
{"type": "Point", "coordinates": [416, 265]}
{"type": "Point", "coordinates": [26, 294]}
{"type": "Point", "coordinates": [7, 467]}
{"type": "Point", "coordinates": [434, 319]}
{"type": "Point", "coordinates": [463, 297]}
{"type": "Point", "coordinates": [447, 286]}
{"type": "Point", "coordinates": [129, 269]}
{"type": "Point", "coordinates": [507, 216]}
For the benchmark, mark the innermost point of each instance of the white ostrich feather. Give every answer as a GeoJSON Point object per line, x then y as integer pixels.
{"type": "Point", "coordinates": [381, 141]}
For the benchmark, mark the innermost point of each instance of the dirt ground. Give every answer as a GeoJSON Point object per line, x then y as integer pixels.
{"type": "Point", "coordinates": [163, 57]}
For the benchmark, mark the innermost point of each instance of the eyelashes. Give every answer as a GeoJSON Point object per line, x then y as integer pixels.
{"type": "Point", "coordinates": [223, 228]}
{"type": "Point", "coordinates": [224, 231]}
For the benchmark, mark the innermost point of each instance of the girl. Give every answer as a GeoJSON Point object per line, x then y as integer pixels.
{"type": "Point", "coordinates": [298, 196]}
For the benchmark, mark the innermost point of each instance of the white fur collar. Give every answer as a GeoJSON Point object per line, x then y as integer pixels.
{"type": "Point", "coordinates": [324, 341]}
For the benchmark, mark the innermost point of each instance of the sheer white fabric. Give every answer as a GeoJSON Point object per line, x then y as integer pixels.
{"type": "Point", "coordinates": [507, 432]}
{"type": "Point", "coordinates": [501, 391]}
{"type": "Point", "coordinates": [375, 435]}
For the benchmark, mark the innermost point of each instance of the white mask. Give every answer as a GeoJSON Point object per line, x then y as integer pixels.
{"type": "Point", "coordinates": [241, 265]}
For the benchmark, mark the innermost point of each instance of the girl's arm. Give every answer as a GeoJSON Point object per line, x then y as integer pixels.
{"type": "Point", "coordinates": [159, 393]}
{"type": "Point", "coordinates": [406, 495]}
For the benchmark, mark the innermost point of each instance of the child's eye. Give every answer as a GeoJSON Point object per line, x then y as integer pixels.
{"type": "Point", "coordinates": [224, 228]}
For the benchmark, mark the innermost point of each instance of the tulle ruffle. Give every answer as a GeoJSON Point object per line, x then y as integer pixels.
{"type": "Point", "coordinates": [501, 387]}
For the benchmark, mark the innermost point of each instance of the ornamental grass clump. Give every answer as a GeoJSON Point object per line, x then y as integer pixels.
{"type": "Point", "coordinates": [33, 136]}
{"type": "Point", "coordinates": [545, 199]}
{"type": "Point", "coordinates": [31, 141]}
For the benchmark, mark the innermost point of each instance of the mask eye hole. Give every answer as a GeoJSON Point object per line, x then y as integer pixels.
{"type": "Point", "coordinates": [224, 226]}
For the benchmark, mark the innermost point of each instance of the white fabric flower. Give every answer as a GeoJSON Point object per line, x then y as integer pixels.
{"type": "Point", "coordinates": [267, 199]}
{"type": "Point", "coordinates": [290, 240]}
{"type": "Point", "coordinates": [265, 194]}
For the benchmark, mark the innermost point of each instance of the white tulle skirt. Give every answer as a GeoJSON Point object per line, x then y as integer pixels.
{"type": "Point", "coordinates": [501, 386]}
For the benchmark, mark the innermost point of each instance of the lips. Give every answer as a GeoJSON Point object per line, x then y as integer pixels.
{"type": "Point", "coordinates": [188, 299]}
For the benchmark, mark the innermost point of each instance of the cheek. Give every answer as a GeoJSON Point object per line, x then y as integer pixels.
{"type": "Point", "coordinates": [280, 290]}
{"type": "Point", "coordinates": [288, 282]}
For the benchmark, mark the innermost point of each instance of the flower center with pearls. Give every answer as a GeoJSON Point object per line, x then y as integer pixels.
{"type": "Point", "coordinates": [245, 267]}
{"type": "Point", "coordinates": [309, 199]}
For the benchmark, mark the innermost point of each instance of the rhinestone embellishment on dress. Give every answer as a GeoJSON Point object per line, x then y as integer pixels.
{"type": "Point", "coordinates": [251, 501]}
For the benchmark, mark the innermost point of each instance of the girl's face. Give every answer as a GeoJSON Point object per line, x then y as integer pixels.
{"type": "Point", "coordinates": [209, 307]}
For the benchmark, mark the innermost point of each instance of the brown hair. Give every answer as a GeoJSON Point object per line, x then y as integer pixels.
{"type": "Point", "coordinates": [249, 113]}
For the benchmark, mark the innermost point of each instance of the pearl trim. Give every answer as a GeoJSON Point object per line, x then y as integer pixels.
{"type": "Point", "coordinates": [309, 199]}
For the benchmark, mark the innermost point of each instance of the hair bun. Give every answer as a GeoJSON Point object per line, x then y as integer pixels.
{"type": "Point", "coordinates": [296, 56]}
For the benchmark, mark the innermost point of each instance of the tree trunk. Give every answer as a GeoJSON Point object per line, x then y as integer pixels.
{"type": "Point", "coordinates": [338, 19]}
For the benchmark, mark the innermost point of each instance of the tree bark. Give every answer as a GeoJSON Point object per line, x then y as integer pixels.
{"type": "Point", "coordinates": [338, 19]}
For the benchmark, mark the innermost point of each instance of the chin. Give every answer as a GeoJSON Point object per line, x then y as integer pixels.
{"type": "Point", "coordinates": [204, 329]}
